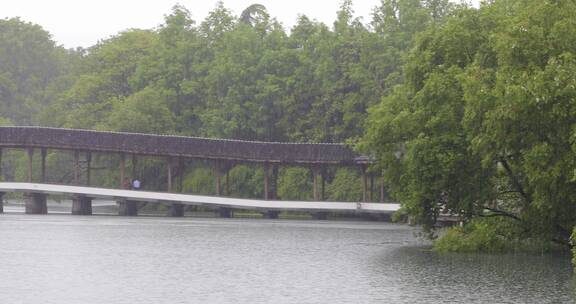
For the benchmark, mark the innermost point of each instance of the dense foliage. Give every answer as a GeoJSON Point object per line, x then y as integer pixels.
{"type": "Point", "coordinates": [483, 125]}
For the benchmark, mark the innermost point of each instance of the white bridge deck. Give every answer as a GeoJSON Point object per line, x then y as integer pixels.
{"type": "Point", "coordinates": [204, 200]}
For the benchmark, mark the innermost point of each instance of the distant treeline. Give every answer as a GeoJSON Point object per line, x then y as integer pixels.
{"type": "Point", "coordinates": [232, 77]}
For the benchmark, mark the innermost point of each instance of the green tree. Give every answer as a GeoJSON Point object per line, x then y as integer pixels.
{"type": "Point", "coordinates": [520, 98]}
{"type": "Point", "coordinates": [145, 111]}
{"type": "Point", "coordinates": [30, 66]}
{"type": "Point", "coordinates": [481, 126]}
{"type": "Point", "coordinates": [107, 74]}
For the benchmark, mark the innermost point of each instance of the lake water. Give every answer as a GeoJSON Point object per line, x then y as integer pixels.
{"type": "Point", "coordinates": [109, 259]}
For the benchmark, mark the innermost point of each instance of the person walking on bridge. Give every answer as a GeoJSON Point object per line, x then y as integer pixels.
{"type": "Point", "coordinates": [135, 184]}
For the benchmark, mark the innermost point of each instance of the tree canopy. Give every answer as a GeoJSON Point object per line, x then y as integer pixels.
{"type": "Point", "coordinates": [483, 124]}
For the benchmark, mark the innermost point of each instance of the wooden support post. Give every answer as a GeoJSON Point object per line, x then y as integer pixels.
{"type": "Point", "coordinates": [169, 173]}
{"type": "Point", "coordinates": [123, 184]}
{"type": "Point", "coordinates": [134, 166]}
{"type": "Point", "coordinates": [88, 166]}
{"type": "Point", "coordinates": [227, 181]}
{"type": "Point", "coordinates": [1, 202]}
{"type": "Point", "coordinates": [125, 207]}
{"type": "Point", "coordinates": [323, 185]}
{"type": "Point", "coordinates": [76, 167]}
{"type": "Point", "coordinates": [30, 159]}
{"type": "Point", "coordinates": [266, 182]}
{"type": "Point", "coordinates": [364, 184]}
{"type": "Point", "coordinates": [43, 154]}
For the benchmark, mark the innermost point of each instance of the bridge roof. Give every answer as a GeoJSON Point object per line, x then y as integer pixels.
{"type": "Point", "coordinates": [178, 146]}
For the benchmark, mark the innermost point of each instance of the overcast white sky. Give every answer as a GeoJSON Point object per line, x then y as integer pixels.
{"type": "Point", "coordinates": [74, 23]}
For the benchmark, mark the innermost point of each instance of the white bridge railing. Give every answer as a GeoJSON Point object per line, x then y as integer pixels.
{"type": "Point", "coordinates": [190, 199]}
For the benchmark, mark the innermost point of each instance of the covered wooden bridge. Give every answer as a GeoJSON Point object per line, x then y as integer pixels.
{"type": "Point", "coordinates": [222, 153]}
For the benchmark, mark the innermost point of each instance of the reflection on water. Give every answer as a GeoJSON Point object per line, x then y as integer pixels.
{"type": "Point", "coordinates": [100, 259]}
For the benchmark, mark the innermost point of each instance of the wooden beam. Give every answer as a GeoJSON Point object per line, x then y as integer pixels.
{"type": "Point", "coordinates": [364, 184]}
{"type": "Point", "coordinates": [169, 173]}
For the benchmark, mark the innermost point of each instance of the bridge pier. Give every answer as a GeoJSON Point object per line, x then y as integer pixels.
{"type": "Point", "coordinates": [225, 212]}
{"type": "Point", "coordinates": [271, 214]}
{"type": "Point", "coordinates": [127, 208]}
{"type": "Point", "coordinates": [176, 210]}
{"type": "Point", "coordinates": [320, 215]}
{"type": "Point", "coordinates": [36, 203]}
{"type": "Point", "coordinates": [81, 205]}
